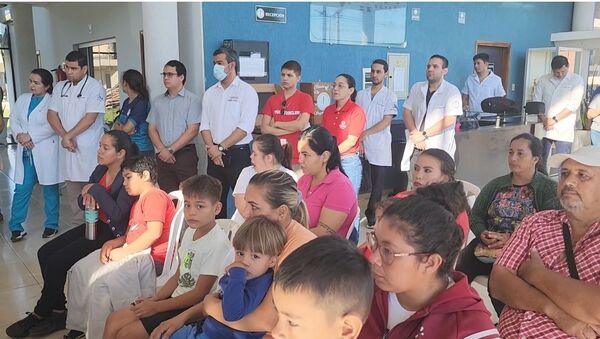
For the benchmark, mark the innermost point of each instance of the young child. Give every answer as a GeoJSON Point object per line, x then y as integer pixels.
{"type": "Point", "coordinates": [257, 243]}
{"type": "Point", "coordinates": [203, 254]}
{"type": "Point", "coordinates": [323, 290]}
{"type": "Point", "coordinates": [104, 278]}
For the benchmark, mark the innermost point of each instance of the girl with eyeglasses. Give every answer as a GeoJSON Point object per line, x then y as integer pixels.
{"type": "Point", "coordinates": [417, 293]}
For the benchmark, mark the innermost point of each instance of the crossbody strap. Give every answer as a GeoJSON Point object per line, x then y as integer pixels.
{"type": "Point", "coordinates": [569, 252]}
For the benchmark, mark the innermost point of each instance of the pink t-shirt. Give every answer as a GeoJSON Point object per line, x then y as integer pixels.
{"type": "Point", "coordinates": [334, 192]}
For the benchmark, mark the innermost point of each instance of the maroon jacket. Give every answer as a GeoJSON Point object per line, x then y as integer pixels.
{"type": "Point", "coordinates": [457, 312]}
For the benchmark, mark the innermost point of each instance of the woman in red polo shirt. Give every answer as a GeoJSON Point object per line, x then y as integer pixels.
{"type": "Point", "coordinates": [346, 121]}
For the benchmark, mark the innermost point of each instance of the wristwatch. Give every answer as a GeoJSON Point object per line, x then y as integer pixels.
{"type": "Point", "coordinates": [554, 118]}
{"type": "Point", "coordinates": [221, 148]}
{"type": "Point", "coordinates": [170, 150]}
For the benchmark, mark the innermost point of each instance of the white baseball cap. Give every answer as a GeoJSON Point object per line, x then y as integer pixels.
{"type": "Point", "coordinates": [589, 155]}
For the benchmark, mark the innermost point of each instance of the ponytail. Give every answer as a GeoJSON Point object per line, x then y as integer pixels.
{"type": "Point", "coordinates": [320, 140]}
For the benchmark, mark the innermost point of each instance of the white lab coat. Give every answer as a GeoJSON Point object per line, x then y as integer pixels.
{"type": "Point", "coordinates": [378, 146]}
{"type": "Point", "coordinates": [77, 166]}
{"type": "Point", "coordinates": [557, 96]}
{"type": "Point", "coordinates": [446, 101]}
{"type": "Point", "coordinates": [45, 140]}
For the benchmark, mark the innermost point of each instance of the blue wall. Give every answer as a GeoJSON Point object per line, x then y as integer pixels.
{"type": "Point", "coordinates": [525, 25]}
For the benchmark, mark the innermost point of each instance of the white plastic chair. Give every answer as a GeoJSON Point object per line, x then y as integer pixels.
{"type": "Point", "coordinates": [228, 226]}
{"type": "Point", "coordinates": [172, 259]}
{"type": "Point", "coordinates": [472, 191]}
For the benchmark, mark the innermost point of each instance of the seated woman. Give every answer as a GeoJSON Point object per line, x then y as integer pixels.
{"type": "Point", "coordinates": [272, 194]}
{"type": "Point", "coordinates": [267, 154]}
{"type": "Point", "coordinates": [503, 203]}
{"type": "Point", "coordinates": [435, 166]}
{"type": "Point", "coordinates": [57, 256]}
{"type": "Point", "coordinates": [326, 190]}
{"type": "Point", "coordinates": [417, 294]}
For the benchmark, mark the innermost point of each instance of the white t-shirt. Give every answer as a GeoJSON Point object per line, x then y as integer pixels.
{"type": "Point", "coordinates": [225, 109]}
{"type": "Point", "coordinates": [242, 183]}
{"type": "Point", "coordinates": [396, 313]}
{"type": "Point", "coordinates": [491, 86]}
{"type": "Point", "coordinates": [558, 95]}
{"type": "Point", "coordinates": [595, 104]}
{"type": "Point", "coordinates": [378, 146]}
{"type": "Point", "coordinates": [71, 108]}
{"type": "Point", "coordinates": [207, 255]}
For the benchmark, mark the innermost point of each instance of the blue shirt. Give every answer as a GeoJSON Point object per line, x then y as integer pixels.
{"type": "Point", "coordinates": [136, 112]}
{"type": "Point", "coordinates": [240, 297]}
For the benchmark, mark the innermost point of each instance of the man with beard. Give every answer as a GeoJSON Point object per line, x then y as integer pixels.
{"type": "Point", "coordinates": [430, 113]}
{"type": "Point", "coordinates": [381, 106]}
{"type": "Point", "coordinates": [547, 274]}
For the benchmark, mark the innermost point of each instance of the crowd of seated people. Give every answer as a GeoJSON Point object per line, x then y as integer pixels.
{"type": "Point", "coordinates": [292, 268]}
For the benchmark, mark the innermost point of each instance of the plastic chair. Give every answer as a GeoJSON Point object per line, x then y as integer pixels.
{"type": "Point", "coordinates": [172, 259]}
{"type": "Point", "coordinates": [353, 226]}
{"type": "Point", "coordinates": [472, 191]}
{"type": "Point", "coordinates": [228, 226]}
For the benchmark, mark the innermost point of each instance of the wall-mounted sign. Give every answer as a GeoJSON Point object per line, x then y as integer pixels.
{"type": "Point", "coordinates": [271, 14]}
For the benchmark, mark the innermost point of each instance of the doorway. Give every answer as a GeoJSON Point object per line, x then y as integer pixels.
{"type": "Point", "coordinates": [499, 53]}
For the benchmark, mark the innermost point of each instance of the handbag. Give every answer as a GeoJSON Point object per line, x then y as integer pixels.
{"type": "Point", "coordinates": [569, 252]}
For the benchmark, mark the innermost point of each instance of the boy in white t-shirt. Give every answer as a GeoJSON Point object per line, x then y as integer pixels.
{"type": "Point", "coordinates": [204, 253]}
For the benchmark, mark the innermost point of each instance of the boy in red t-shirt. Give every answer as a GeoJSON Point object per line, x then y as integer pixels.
{"type": "Point", "coordinates": [287, 113]}
{"type": "Point", "coordinates": [123, 268]}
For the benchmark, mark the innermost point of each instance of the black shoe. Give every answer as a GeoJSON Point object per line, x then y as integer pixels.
{"type": "Point", "coordinates": [73, 334]}
{"type": "Point", "coordinates": [21, 328]}
{"type": "Point", "coordinates": [49, 232]}
{"type": "Point", "coordinates": [55, 322]}
{"type": "Point", "coordinates": [17, 235]}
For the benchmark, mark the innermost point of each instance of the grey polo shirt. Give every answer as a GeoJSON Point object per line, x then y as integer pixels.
{"type": "Point", "coordinates": [171, 115]}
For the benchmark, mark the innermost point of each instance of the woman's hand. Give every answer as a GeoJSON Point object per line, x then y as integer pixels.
{"type": "Point", "coordinates": [89, 201]}
{"type": "Point", "coordinates": [168, 327]}
{"type": "Point", "coordinates": [105, 252]}
{"type": "Point", "coordinates": [25, 140]}
{"type": "Point", "coordinates": [498, 240]}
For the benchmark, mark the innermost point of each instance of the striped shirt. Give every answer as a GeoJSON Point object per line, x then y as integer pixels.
{"type": "Point", "coordinates": [543, 231]}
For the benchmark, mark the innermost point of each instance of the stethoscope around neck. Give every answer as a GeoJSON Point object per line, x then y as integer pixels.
{"type": "Point", "coordinates": [62, 91]}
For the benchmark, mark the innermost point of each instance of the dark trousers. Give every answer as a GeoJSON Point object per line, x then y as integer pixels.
{"type": "Point", "coordinates": [234, 160]}
{"type": "Point", "coordinates": [377, 176]}
{"type": "Point", "coordinates": [56, 258]}
{"type": "Point", "coordinates": [472, 267]}
{"type": "Point", "coordinates": [185, 166]}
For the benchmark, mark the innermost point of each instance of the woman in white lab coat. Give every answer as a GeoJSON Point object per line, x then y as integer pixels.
{"type": "Point", "coordinates": [37, 155]}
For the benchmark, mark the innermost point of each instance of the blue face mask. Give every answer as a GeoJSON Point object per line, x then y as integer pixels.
{"type": "Point", "coordinates": [219, 72]}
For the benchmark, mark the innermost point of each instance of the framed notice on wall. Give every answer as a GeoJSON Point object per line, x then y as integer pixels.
{"type": "Point", "coordinates": [399, 64]}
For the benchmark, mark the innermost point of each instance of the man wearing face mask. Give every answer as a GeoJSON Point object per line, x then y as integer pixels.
{"type": "Point", "coordinates": [173, 126]}
{"type": "Point", "coordinates": [230, 107]}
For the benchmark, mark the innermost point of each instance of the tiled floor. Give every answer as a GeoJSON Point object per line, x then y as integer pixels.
{"type": "Point", "coordinates": [20, 277]}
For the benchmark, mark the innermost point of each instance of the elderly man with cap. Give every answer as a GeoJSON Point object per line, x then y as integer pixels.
{"type": "Point", "coordinates": [549, 272]}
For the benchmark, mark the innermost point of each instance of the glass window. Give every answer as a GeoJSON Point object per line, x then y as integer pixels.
{"type": "Point", "coordinates": [358, 23]}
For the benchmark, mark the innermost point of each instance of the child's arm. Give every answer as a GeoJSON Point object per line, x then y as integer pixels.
{"type": "Point", "coordinates": [241, 298]}
{"type": "Point", "coordinates": [144, 241]}
{"type": "Point", "coordinates": [168, 288]}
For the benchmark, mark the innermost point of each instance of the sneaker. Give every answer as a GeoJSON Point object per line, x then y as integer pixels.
{"type": "Point", "coordinates": [73, 334]}
{"type": "Point", "coordinates": [49, 232]}
{"type": "Point", "coordinates": [17, 235]}
{"type": "Point", "coordinates": [21, 328]}
{"type": "Point", "coordinates": [57, 321]}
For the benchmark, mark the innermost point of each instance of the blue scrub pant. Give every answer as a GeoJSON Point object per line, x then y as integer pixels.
{"type": "Point", "coordinates": [22, 195]}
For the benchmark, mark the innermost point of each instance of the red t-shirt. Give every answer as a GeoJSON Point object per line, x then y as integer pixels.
{"type": "Point", "coordinates": [350, 120]}
{"type": "Point", "coordinates": [154, 205]}
{"type": "Point", "coordinates": [297, 104]}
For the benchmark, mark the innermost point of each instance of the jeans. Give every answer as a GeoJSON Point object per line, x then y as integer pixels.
{"type": "Point", "coordinates": [595, 137]}
{"type": "Point", "coordinates": [353, 167]}
{"type": "Point", "coordinates": [561, 147]}
{"type": "Point", "coordinates": [22, 196]}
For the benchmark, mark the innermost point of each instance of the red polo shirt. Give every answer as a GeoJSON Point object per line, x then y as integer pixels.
{"type": "Point", "coordinates": [350, 120]}
{"type": "Point", "coordinates": [297, 104]}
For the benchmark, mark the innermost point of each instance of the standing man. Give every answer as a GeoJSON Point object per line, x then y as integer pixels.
{"type": "Point", "coordinates": [381, 106]}
{"type": "Point", "coordinates": [173, 126]}
{"type": "Point", "coordinates": [230, 107]}
{"type": "Point", "coordinates": [76, 114]}
{"type": "Point", "coordinates": [430, 113]}
{"type": "Point", "coordinates": [287, 113]}
{"type": "Point", "coordinates": [481, 85]}
{"type": "Point", "coordinates": [561, 92]}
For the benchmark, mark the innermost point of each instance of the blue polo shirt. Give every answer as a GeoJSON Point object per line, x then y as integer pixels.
{"type": "Point", "coordinates": [136, 112]}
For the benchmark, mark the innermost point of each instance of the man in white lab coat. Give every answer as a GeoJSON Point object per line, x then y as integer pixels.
{"type": "Point", "coordinates": [76, 114]}
{"type": "Point", "coordinates": [481, 84]}
{"type": "Point", "coordinates": [430, 113]}
{"type": "Point", "coordinates": [381, 106]}
{"type": "Point", "coordinates": [561, 91]}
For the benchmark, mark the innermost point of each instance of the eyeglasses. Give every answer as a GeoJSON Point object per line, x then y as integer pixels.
{"type": "Point", "coordinates": [168, 74]}
{"type": "Point", "coordinates": [387, 255]}
{"type": "Point", "coordinates": [283, 105]}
